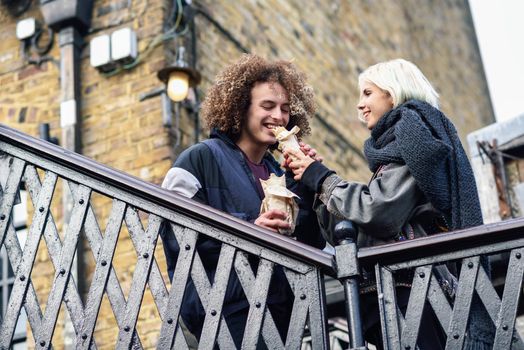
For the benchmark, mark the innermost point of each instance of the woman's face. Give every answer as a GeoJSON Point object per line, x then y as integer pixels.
{"type": "Point", "coordinates": [373, 104]}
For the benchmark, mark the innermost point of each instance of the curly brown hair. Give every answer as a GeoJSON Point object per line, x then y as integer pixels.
{"type": "Point", "coordinates": [227, 101]}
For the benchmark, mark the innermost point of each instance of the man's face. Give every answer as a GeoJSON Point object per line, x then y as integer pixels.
{"type": "Point", "coordinates": [269, 108]}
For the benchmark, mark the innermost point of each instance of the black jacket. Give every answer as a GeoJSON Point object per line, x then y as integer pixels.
{"type": "Point", "coordinates": [223, 180]}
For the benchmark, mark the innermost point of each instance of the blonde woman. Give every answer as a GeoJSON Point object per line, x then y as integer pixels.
{"type": "Point", "coordinates": [422, 183]}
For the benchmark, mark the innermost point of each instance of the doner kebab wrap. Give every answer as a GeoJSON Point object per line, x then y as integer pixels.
{"type": "Point", "coordinates": [287, 139]}
{"type": "Point", "coordinates": [277, 196]}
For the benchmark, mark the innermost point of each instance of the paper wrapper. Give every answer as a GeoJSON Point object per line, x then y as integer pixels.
{"type": "Point", "coordinates": [277, 196]}
{"type": "Point", "coordinates": [287, 139]}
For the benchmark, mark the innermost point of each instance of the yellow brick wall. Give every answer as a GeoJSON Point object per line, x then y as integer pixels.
{"type": "Point", "coordinates": [331, 40]}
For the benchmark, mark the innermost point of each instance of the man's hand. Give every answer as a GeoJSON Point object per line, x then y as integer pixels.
{"type": "Point", "coordinates": [274, 220]}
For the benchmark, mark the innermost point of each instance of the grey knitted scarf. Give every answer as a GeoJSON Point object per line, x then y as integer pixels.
{"type": "Point", "coordinates": [422, 137]}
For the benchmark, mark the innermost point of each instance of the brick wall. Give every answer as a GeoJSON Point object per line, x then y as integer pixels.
{"type": "Point", "coordinates": [331, 40]}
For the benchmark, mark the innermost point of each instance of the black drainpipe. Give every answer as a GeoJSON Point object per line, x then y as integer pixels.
{"type": "Point", "coordinates": [71, 19]}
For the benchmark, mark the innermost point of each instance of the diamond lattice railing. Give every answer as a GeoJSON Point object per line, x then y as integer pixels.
{"type": "Point", "coordinates": [144, 307]}
{"type": "Point", "coordinates": [39, 166]}
{"type": "Point", "coordinates": [476, 298]}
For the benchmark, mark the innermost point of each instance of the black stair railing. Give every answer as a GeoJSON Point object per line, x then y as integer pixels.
{"type": "Point", "coordinates": [41, 165]}
{"type": "Point", "coordinates": [143, 207]}
{"type": "Point", "coordinates": [462, 248]}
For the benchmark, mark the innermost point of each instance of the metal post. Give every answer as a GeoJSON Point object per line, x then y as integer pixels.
{"type": "Point", "coordinates": [347, 273]}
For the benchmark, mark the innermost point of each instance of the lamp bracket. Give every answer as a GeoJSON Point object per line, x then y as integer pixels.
{"type": "Point", "coordinates": [152, 93]}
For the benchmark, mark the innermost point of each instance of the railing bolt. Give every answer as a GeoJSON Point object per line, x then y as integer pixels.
{"type": "Point", "coordinates": [505, 327]}
{"type": "Point", "coordinates": [22, 278]}
{"type": "Point", "coordinates": [145, 255]}
{"type": "Point", "coordinates": [127, 328]}
{"type": "Point", "coordinates": [84, 336]}
{"type": "Point", "coordinates": [2, 217]}
{"type": "Point", "coordinates": [170, 321]}
{"type": "Point", "coordinates": [104, 263]}
{"type": "Point", "coordinates": [41, 209]}
{"type": "Point", "coordinates": [456, 336]}
{"type": "Point", "coordinates": [518, 256]}
{"type": "Point", "coordinates": [81, 201]}
{"type": "Point", "coordinates": [187, 247]}
{"type": "Point", "coordinates": [302, 296]}
{"type": "Point", "coordinates": [421, 275]}
{"type": "Point", "coordinates": [213, 312]}
{"type": "Point", "coordinates": [62, 271]}
{"type": "Point", "coordinates": [257, 305]}
{"type": "Point", "coordinates": [470, 265]}
{"type": "Point", "coordinates": [42, 343]}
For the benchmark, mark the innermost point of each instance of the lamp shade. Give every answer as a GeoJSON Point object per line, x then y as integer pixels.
{"type": "Point", "coordinates": [178, 85]}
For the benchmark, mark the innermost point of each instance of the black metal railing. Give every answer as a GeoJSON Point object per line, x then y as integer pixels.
{"type": "Point", "coordinates": [138, 210]}
{"type": "Point", "coordinates": [41, 165]}
{"type": "Point", "coordinates": [474, 292]}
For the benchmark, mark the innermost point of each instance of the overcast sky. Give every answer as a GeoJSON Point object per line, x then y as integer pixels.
{"type": "Point", "coordinates": [500, 31]}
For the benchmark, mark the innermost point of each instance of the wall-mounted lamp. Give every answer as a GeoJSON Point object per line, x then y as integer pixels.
{"type": "Point", "coordinates": [179, 77]}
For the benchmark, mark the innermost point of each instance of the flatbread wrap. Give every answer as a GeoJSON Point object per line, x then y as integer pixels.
{"type": "Point", "coordinates": [277, 196]}
{"type": "Point", "coordinates": [287, 139]}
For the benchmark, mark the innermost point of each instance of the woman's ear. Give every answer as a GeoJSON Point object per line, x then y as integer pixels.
{"type": "Point", "coordinates": [391, 100]}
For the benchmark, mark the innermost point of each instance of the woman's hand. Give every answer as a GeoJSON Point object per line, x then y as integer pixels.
{"type": "Point", "coordinates": [274, 220]}
{"type": "Point", "coordinates": [308, 151]}
{"type": "Point", "coordinates": [298, 162]}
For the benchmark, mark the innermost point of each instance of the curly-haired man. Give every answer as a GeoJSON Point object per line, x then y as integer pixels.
{"type": "Point", "coordinates": [247, 100]}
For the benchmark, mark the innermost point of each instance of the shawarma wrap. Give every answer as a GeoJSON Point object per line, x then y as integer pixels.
{"type": "Point", "coordinates": [277, 196]}
{"type": "Point", "coordinates": [287, 139]}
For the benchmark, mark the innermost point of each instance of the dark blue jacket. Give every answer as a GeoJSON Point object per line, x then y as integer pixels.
{"type": "Point", "coordinates": [228, 184]}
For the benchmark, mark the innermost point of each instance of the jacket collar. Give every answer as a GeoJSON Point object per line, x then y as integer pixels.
{"type": "Point", "coordinates": [215, 133]}
{"type": "Point", "coordinates": [268, 157]}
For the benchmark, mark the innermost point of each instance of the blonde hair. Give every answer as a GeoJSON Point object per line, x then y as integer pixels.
{"type": "Point", "coordinates": [402, 80]}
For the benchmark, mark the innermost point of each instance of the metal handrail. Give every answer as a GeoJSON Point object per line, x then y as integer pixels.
{"type": "Point", "coordinates": [453, 299]}
{"type": "Point", "coordinates": [485, 238]}
{"type": "Point", "coordinates": [182, 223]}
{"type": "Point", "coordinates": [170, 200]}
{"type": "Point", "coordinates": [303, 264]}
